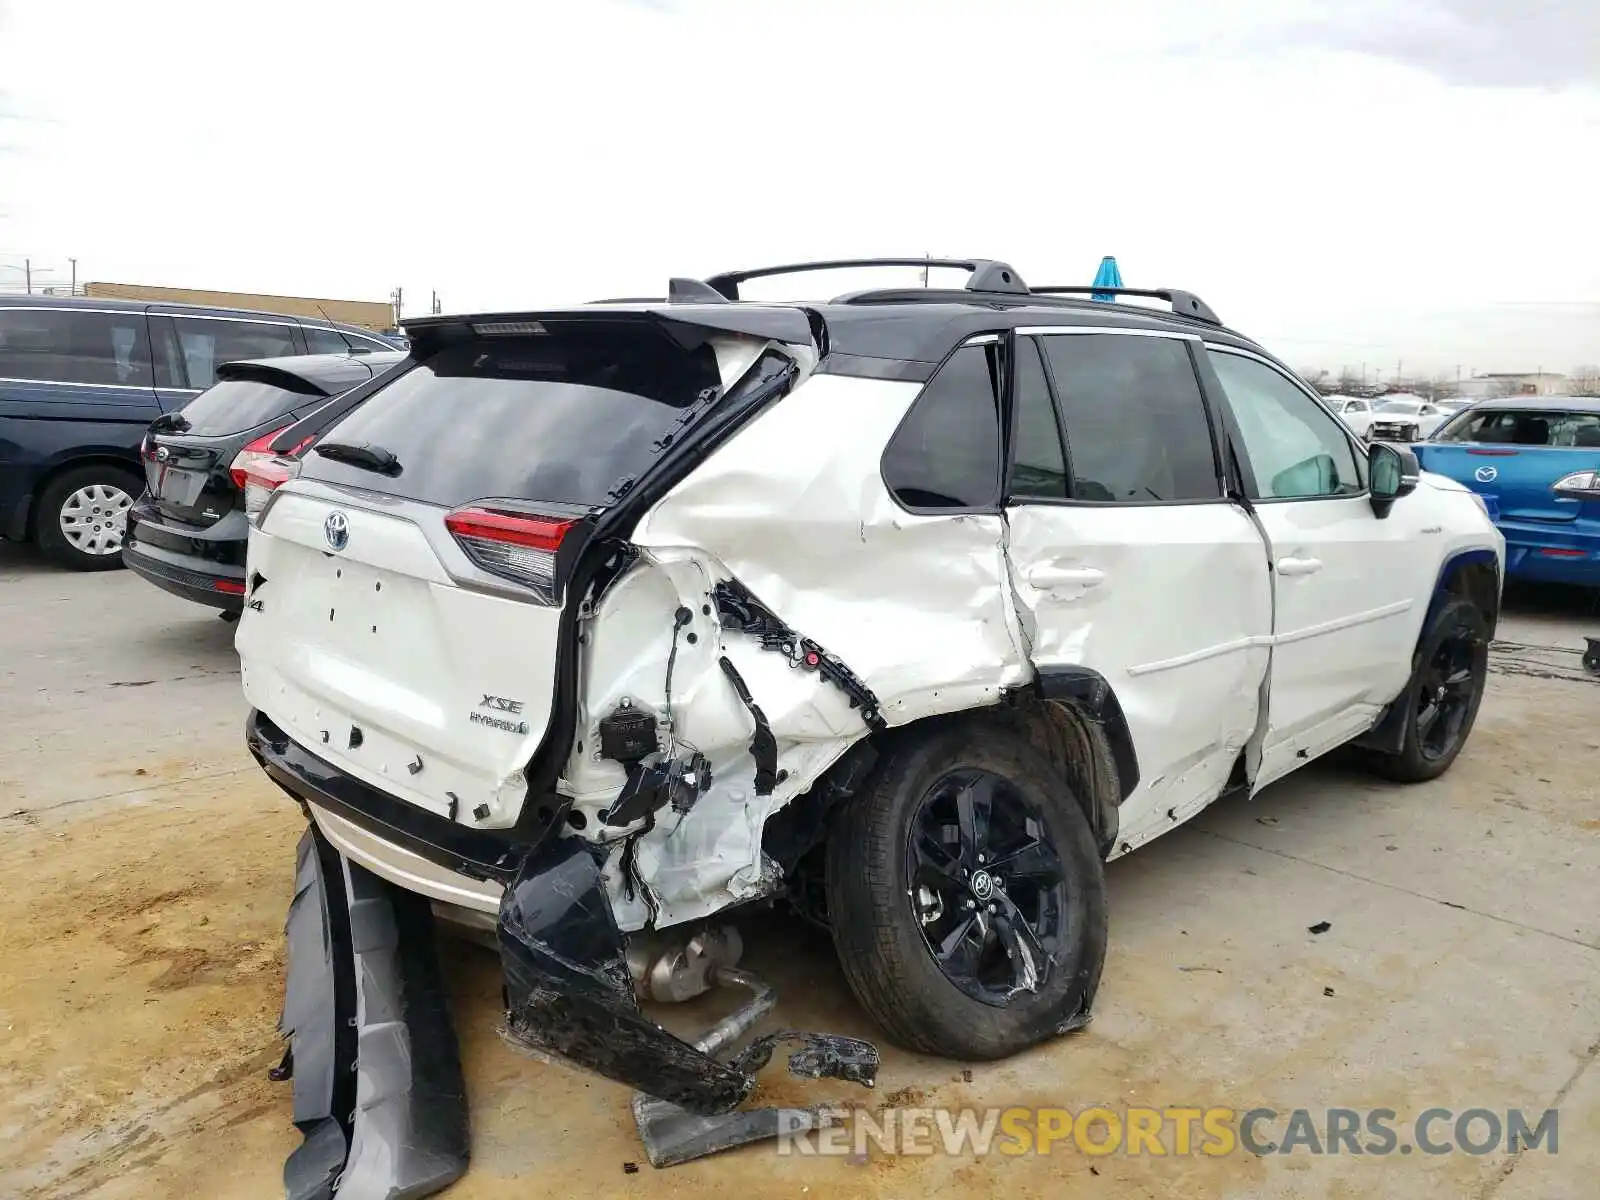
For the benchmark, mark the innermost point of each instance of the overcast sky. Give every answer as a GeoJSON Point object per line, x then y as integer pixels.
{"type": "Point", "coordinates": [1354, 181]}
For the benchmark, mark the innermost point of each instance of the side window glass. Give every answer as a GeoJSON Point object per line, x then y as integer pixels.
{"type": "Point", "coordinates": [946, 453]}
{"type": "Point", "coordinates": [206, 344]}
{"type": "Point", "coordinates": [321, 340]}
{"type": "Point", "coordinates": [1136, 424]}
{"type": "Point", "coordinates": [1038, 465]}
{"type": "Point", "coordinates": [63, 345]}
{"type": "Point", "coordinates": [1296, 450]}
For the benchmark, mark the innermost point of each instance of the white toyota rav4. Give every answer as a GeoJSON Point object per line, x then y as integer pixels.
{"type": "Point", "coordinates": [911, 607]}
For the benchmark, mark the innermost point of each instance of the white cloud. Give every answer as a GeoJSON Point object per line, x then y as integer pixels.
{"type": "Point", "coordinates": [1332, 201]}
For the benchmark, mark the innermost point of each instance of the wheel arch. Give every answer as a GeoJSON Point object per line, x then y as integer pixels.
{"type": "Point", "coordinates": [1474, 575]}
{"type": "Point", "coordinates": [1071, 715]}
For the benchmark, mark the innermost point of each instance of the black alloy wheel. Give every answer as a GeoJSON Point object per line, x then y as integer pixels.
{"type": "Point", "coordinates": [986, 886]}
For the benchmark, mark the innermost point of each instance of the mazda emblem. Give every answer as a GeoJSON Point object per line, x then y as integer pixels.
{"type": "Point", "coordinates": [337, 530]}
{"type": "Point", "coordinates": [1485, 474]}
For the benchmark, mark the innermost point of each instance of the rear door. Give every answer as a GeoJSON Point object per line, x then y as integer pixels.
{"type": "Point", "coordinates": [1128, 560]}
{"type": "Point", "coordinates": [1345, 583]}
{"type": "Point", "coordinates": [408, 612]}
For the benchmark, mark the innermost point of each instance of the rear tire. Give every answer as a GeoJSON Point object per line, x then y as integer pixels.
{"type": "Point", "coordinates": [889, 907]}
{"type": "Point", "coordinates": [83, 515]}
{"type": "Point", "coordinates": [1442, 698]}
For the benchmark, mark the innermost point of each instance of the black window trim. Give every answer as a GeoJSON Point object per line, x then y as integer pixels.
{"type": "Point", "coordinates": [994, 507]}
{"type": "Point", "coordinates": [1010, 411]}
{"type": "Point", "coordinates": [1193, 341]}
{"type": "Point", "coordinates": [1358, 449]}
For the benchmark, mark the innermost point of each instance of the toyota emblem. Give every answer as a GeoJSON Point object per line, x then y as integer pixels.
{"type": "Point", "coordinates": [337, 530]}
{"type": "Point", "coordinates": [1486, 474]}
{"type": "Point", "coordinates": [163, 454]}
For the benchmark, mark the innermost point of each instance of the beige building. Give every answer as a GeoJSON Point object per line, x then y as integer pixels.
{"type": "Point", "coordinates": [376, 315]}
{"type": "Point", "coordinates": [1514, 383]}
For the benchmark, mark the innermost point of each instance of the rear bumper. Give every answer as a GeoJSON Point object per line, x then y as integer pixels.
{"type": "Point", "coordinates": [205, 566]}
{"type": "Point", "coordinates": [569, 991]}
{"type": "Point", "coordinates": [1552, 553]}
{"type": "Point", "coordinates": [378, 1092]}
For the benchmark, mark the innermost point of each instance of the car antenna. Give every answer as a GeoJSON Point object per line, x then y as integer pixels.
{"type": "Point", "coordinates": [348, 344]}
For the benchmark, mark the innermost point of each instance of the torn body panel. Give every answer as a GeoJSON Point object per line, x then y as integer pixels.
{"type": "Point", "coordinates": [802, 574]}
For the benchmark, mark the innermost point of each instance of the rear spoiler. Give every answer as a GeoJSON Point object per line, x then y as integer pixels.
{"type": "Point", "coordinates": [686, 324]}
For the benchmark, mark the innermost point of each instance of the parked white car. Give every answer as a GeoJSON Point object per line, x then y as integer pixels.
{"type": "Point", "coordinates": [911, 608]}
{"type": "Point", "coordinates": [1400, 417]}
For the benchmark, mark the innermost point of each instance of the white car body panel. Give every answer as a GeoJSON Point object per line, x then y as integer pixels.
{"type": "Point", "coordinates": [380, 638]}
{"type": "Point", "coordinates": [1096, 586]}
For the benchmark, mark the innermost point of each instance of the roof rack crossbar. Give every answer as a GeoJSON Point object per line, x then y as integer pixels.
{"type": "Point", "coordinates": [987, 275]}
{"type": "Point", "coordinates": [1185, 304]}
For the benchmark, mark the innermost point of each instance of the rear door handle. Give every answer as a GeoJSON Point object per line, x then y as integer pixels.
{"type": "Point", "coordinates": [1045, 578]}
{"type": "Point", "coordinates": [1290, 565]}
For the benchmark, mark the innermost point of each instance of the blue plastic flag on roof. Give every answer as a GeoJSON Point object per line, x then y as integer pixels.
{"type": "Point", "coordinates": [1109, 277]}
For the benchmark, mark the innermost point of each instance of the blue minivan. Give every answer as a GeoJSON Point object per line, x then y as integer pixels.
{"type": "Point", "coordinates": [80, 382]}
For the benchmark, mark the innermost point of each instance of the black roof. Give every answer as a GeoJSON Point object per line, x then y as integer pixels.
{"type": "Point", "coordinates": [905, 325]}
{"type": "Point", "coordinates": [329, 373]}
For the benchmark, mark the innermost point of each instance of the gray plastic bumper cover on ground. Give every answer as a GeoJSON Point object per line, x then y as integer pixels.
{"type": "Point", "coordinates": [378, 1093]}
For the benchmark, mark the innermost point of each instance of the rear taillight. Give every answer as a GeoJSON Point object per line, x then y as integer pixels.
{"type": "Point", "coordinates": [1580, 485]}
{"type": "Point", "coordinates": [258, 471]}
{"type": "Point", "coordinates": [514, 546]}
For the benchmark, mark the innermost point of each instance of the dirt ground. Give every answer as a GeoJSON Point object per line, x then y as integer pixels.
{"type": "Point", "coordinates": [147, 869]}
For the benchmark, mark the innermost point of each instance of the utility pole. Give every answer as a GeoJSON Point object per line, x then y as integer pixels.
{"type": "Point", "coordinates": [396, 297]}
{"type": "Point", "coordinates": [27, 273]}
{"type": "Point", "coordinates": [73, 291]}
{"type": "Point", "coordinates": [927, 255]}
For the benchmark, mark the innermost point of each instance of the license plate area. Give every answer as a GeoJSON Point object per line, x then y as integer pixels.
{"type": "Point", "coordinates": [176, 485]}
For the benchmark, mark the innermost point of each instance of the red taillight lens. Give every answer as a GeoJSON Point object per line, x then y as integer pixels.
{"type": "Point", "coordinates": [514, 546]}
{"type": "Point", "coordinates": [229, 587]}
{"type": "Point", "coordinates": [258, 471]}
{"type": "Point", "coordinates": [255, 451]}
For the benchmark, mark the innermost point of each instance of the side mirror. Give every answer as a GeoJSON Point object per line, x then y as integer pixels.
{"type": "Point", "coordinates": [1393, 471]}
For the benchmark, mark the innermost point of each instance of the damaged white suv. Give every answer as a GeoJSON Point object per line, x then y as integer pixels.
{"type": "Point", "coordinates": [912, 607]}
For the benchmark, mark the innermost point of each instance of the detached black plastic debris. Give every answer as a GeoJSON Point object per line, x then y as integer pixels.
{"type": "Point", "coordinates": [1320, 927]}
{"type": "Point", "coordinates": [570, 997]}
{"type": "Point", "coordinates": [378, 1093]}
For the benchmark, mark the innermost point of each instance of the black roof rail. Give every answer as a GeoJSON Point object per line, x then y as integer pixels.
{"type": "Point", "coordinates": [987, 275]}
{"type": "Point", "coordinates": [1185, 304]}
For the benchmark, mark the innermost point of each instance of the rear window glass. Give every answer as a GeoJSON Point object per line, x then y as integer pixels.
{"type": "Point", "coordinates": [235, 405]}
{"type": "Point", "coordinates": [1523, 427]}
{"type": "Point", "coordinates": [536, 419]}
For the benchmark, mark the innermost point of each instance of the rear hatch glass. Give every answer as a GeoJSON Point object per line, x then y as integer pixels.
{"type": "Point", "coordinates": [362, 624]}
{"type": "Point", "coordinates": [235, 405]}
{"type": "Point", "coordinates": [189, 453]}
{"type": "Point", "coordinates": [1515, 455]}
{"type": "Point", "coordinates": [535, 419]}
